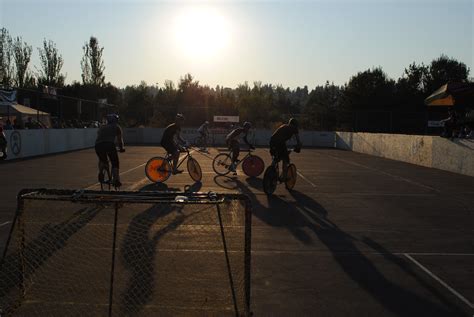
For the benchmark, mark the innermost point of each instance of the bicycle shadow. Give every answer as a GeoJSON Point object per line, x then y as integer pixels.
{"type": "Point", "coordinates": [361, 269]}
{"type": "Point", "coordinates": [225, 182]}
{"type": "Point", "coordinates": [194, 188]}
{"type": "Point", "coordinates": [158, 187]}
{"type": "Point", "coordinates": [306, 213]}
{"type": "Point", "coordinates": [50, 239]}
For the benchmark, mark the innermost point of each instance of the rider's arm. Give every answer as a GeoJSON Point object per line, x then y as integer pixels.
{"type": "Point", "coordinates": [178, 136]}
{"type": "Point", "coordinates": [298, 141]}
{"type": "Point", "coordinates": [246, 141]}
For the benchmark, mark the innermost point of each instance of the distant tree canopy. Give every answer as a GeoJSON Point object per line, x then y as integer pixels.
{"type": "Point", "coordinates": [369, 96]}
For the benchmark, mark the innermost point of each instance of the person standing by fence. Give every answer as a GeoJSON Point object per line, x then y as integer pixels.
{"type": "Point", "coordinates": [3, 144]}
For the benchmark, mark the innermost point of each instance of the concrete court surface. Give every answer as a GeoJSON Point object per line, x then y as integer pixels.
{"type": "Point", "coordinates": [359, 235]}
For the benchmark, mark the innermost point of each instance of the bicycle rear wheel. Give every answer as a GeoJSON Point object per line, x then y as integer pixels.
{"type": "Point", "coordinates": [291, 177]}
{"type": "Point", "coordinates": [194, 169]}
{"type": "Point", "coordinates": [253, 166]}
{"type": "Point", "coordinates": [198, 141]}
{"type": "Point", "coordinates": [221, 164]}
{"type": "Point", "coordinates": [105, 182]}
{"type": "Point", "coordinates": [270, 179]}
{"type": "Point", "coordinates": [158, 169]}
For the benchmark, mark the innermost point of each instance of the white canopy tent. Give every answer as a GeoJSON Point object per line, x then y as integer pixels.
{"type": "Point", "coordinates": [14, 111]}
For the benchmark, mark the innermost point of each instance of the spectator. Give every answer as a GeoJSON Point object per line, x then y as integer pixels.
{"type": "Point", "coordinates": [29, 124]}
{"type": "Point", "coordinates": [17, 124]}
{"type": "Point", "coordinates": [8, 125]}
{"type": "Point", "coordinates": [3, 144]}
{"type": "Point", "coordinates": [450, 123]}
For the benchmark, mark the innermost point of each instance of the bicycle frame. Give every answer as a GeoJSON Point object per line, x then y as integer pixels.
{"type": "Point", "coordinates": [168, 157]}
{"type": "Point", "coordinates": [249, 153]}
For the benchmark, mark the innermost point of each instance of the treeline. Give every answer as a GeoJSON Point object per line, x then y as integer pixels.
{"type": "Point", "coordinates": [369, 101]}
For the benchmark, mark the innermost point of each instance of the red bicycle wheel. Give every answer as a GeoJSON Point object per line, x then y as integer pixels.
{"type": "Point", "coordinates": [253, 166]}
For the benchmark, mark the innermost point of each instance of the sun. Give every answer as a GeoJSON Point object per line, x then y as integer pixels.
{"type": "Point", "coordinates": [201, 33]}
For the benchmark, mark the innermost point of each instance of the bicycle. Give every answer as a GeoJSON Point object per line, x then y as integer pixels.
{"type": "Point", "coordinates": [252, 165]}
{"type": "Point", "coordinates": [108, 179]}
{"type": "Point", "coordinates": [272, 176]}
{"type": "Point", "coordinates": [201, 141]}
{"type": "Point", "coordinates": [158, 169]}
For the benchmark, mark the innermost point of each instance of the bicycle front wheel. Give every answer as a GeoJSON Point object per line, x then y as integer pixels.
{"type": "Point", "coordinates": [194, 169]}
{"type": "Point", "coordinates": [270, 179]}
{"type": "Point", "coordinates": [253, 166]}
{"type": "Point", "coordinates": [158, 169]}
{"type": "Point", "coordinates": [221, 164]}
{"type": "Point", "coordinates": [291, 177]}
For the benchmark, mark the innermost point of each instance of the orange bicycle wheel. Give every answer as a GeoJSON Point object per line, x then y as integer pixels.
{"type": "Point", "coordinates": [158, 169]}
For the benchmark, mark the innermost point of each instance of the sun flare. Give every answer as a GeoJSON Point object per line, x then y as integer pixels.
{"type": "Point", "coordinates": [201, 33]}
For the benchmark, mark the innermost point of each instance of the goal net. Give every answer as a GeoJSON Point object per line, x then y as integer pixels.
{"type": "Point", "coordinates": [83, 253]}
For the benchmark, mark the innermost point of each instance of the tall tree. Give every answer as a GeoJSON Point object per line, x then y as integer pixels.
{"type": "Point", "coordinates": [6, 58]}
{"type": "Point", "coordinates": [411, 88]}
{"type": "Point", "coordinates": [371, 89]}
{"type": "Point", "coordinates": [51, 63]}
{"type": "Point", "coordinates": [92, 64]}
{"type": "Point", "coordinates": [22, 53]}
{"type": "Point", "coordinates": [445, 69]}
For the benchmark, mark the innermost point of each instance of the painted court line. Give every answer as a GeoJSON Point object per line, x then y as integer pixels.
{"type": "Point", "coordinates": [5, 223]}
{"type": "Point", "coordinates": [385, 173]}
{"type": "Point", "coordinates": [432, 275]}
{"type": "Point", "coordinates": [304, 178]}
{"type": "Point", "coordinates": [132, 169]}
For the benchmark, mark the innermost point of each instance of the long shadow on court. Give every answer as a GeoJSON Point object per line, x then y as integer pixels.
{"type": "Point", "coordinates": [138, 253]}
{"type": "Point", "coordinates": [306, 212]}
{"type": "Point", "coordinates": [20, 266]}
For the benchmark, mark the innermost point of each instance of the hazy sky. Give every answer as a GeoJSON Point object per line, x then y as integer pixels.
{"type": "Point", "coordinates": [293, 43]}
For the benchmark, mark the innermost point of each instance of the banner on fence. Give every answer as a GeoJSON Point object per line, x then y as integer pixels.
{"type": "Point", "coordinates": [226, 118]}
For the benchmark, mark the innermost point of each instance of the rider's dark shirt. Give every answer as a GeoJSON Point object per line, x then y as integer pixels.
{"type": "Point", "coordinates": [234, 135]}
{"type": "Point", "coordinates": [284, 133]}
{"type": "Point", "coordinates": [170, 132]}
{"type": "Point", "coordinates": [108, 133]}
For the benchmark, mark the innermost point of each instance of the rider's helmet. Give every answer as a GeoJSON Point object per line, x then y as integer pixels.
{"type": "Point", "coordinates": [247, 125]}
{"type": "Point", "coordinates": [293, 122]}
{"type": "Point", "coordinates": [179, 117]}
{"type": "Point", "coordinates": [112, 118]}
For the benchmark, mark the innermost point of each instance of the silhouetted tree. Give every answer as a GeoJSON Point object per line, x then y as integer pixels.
{"type": "Point", "coordinates": [6, 58]}
{"type": "Point", "coordinates": [411, 88]}
{"type": "Point", "coordinates": [445, 69]}
{"type": "Point", "coordinates": [51, 63]}
{"type": "Point", "coordinates": [22, 54]}
{"type": "Point", "coordinates": [92, 64]}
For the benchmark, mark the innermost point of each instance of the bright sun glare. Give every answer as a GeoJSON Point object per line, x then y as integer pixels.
{"type": "Point", "coordinates": [201, 33]}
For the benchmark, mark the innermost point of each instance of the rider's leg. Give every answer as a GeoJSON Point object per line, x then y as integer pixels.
{"type": "Point", "coordinates": [175, 157]}
{"type": "Point", "coordinates": [114, 159]}
{"type": "Point", "coordinates": [285, 159]}
{"type": "Point", "coordinates": [103, 161]}
{"type": "Point", "coordinates": [3, 149]}
{"type": "Point", "coordinates": [235, 154]}
{"type": "Point", "coordinates": [284, 174]}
